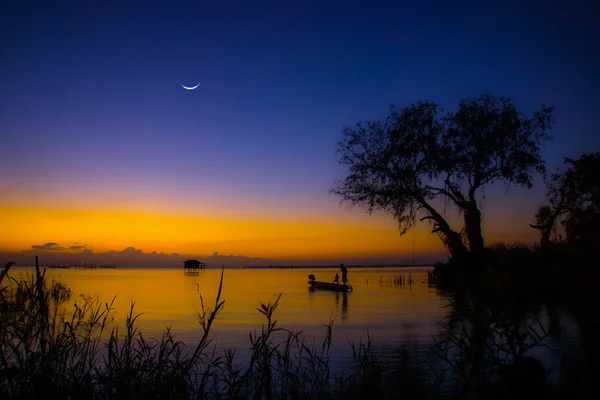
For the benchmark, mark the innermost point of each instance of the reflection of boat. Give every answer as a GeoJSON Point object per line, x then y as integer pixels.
{"type": "Point", "coordinates": [330, 286]}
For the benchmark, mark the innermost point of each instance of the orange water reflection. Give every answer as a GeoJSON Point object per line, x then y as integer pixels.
{"type": "Point", "coordinates": [391, 313]}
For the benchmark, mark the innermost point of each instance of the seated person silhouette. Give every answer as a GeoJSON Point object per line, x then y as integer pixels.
{"type": "Point", "coordinates": [336, 279]}
{"type": "Point", "coordinates": [311, 277]}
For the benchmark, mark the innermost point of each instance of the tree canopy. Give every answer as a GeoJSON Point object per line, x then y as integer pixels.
{"type": "Point", "coordinates": [417, 154]}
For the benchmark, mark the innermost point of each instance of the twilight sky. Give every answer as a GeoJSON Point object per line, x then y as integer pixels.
{"type": "Point", "coordinates": [103, 149]}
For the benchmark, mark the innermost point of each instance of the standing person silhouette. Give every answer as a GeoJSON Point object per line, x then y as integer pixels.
{"type": "Point", "coordinates": [344, 273]}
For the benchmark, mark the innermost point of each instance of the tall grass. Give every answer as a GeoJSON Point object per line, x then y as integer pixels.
{"type": "Point", "coordinates": [49, 351]}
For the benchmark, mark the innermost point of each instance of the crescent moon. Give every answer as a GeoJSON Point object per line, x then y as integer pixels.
{"type": "Point", "coordinates": [190, 87]}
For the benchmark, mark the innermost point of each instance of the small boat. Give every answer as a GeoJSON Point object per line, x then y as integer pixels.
{"type": "Point", "coordinates": [330, 286]}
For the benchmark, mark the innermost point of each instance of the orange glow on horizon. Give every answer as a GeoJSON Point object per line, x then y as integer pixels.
{"type": "Point", "coordinates": [102, 231]}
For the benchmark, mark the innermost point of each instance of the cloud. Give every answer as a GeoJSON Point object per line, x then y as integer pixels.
{"type": "Point", "coordinates": [55, 247]}
{"type": "Point", "coordinates": [129, 250]}
{"type": "Point", "coordinates": [234, 261]}
{"type": "Point", "coordinates": [80, 254]}
{"type": "Point", "coordinates": [130, 256]}
{"type": "Point", "coordinates": [50, 246]}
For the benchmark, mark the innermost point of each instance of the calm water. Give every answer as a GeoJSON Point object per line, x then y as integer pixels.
{"type": "Point", "coordinates": [391, 314]}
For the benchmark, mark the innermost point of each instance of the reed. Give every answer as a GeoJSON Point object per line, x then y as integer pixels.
{"type": "Point", "coordinates": [47, 352]}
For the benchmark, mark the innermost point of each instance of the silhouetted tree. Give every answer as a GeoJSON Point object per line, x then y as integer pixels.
{"type": "Point", "coordinates": [583, 219]}
{"type": "Point", "coordinates": [545, 221]}
{"type": "Point", "coordinates": [415, 155]}
{"type": "Point", "coordinates": [562, 196]}
{"type": "Point", "coordinates": [574, 197]}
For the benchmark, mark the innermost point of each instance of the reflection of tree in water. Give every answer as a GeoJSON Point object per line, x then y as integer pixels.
{"type": "Point", "coordinates": [490, 342]}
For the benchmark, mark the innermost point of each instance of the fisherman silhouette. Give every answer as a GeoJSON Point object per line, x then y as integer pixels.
{"type": "Point", "coordinates": [344, 274]}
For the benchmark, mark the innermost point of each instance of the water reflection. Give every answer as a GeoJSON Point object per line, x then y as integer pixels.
{"type": "Point", "coordinates": [513, 344]}
{"type": "Point", "coordinates": [392, 313]}
{"type": "Point", "coordinates": [337, 296]}
{"type": "Point", "coordinates": [479, 334]}
{"type": "Point", "coordinates": [344, 296]}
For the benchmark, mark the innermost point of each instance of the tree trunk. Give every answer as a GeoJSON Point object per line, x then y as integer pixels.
{"type": "Point", "coordinates": [545, 222]}
{"type": "Point", "coordinates": [546, 232]}
{"type": "Point", "coordinates": [473, 229]}
{"type": "Point", "coordinates": [452, 239]}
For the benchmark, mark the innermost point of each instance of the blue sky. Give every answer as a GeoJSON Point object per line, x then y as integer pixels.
{"type": "Point", "coordinates": [92, 103]}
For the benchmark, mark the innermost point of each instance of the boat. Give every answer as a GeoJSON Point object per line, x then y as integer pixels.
{"type": "Point", "coordinates": [330, 286]}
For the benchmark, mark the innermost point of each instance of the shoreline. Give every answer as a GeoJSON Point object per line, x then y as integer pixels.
{"type": "Point", "coordinates": [282, 267]}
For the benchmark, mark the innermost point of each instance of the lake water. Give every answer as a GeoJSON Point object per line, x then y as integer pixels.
{"type": "Point", "coordinates": [393, 315]}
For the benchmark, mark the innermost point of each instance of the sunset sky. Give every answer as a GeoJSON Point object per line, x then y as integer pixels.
{"type": "Point", "coordinates": [103, 150]}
